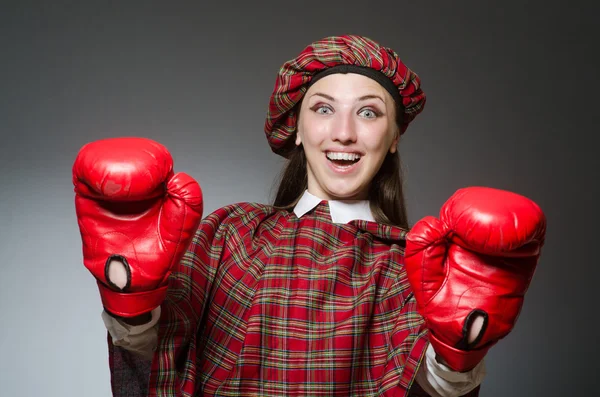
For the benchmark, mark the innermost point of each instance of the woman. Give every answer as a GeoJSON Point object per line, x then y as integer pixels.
{"type": "Point", "coordinates": [308, 297]}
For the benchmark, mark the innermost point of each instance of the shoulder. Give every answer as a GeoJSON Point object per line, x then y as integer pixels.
{"type": "Point", "coordinates": [392, 237]}
{"type": "Point", "coordinates": [244, 216]}
{"type": "Point", "coordinates": [241, 212]}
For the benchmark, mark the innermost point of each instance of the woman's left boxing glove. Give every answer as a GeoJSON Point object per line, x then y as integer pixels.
{"type": "Point", "coordinates": [476, 260]}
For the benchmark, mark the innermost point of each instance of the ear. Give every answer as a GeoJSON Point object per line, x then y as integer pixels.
{"type": "Point", "coordinates": [298, 138]}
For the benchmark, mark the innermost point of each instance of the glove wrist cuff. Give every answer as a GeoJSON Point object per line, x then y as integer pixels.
{"type": "Point", "coordinates": [131, 304]}
{"type": "Point", "coordinates": [458, 360]}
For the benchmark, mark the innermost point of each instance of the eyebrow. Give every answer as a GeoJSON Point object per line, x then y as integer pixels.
{"type": "Point", "coordinates": [324, 96]}
{"type": "Point", "coordinates": [362, 98]}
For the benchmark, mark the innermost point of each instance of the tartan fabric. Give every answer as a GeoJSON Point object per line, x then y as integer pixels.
{"type": "Point", "coordinates": [266, 304]}
{"type": "Point", "coordinates": [295, 74]}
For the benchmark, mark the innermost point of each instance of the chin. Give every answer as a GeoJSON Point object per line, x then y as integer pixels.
{"type": "Point", "coordinates": [347, 194]}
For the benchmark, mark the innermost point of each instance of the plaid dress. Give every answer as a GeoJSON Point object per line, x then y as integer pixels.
{"type": "Point", "coordinates": [266, 304]}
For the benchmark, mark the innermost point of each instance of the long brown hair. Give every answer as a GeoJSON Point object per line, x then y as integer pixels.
{"type": "Point", "coordinates": [386, 195]}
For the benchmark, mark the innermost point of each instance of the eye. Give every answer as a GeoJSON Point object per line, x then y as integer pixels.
{"type": "Point", "coordinates": [323, 109]}
{"type": "Point", "coordinates": [368, 113]}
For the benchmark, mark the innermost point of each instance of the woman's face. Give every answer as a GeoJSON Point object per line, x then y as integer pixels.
{"type": "Point", "coordinates": [346, 126]}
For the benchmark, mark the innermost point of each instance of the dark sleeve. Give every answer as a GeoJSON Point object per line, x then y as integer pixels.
{"type": "Point", "coordinates": [129, 373]}
{"type": "Point", "coordinates": [416, 391]}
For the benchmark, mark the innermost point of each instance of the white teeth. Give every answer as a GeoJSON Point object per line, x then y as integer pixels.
{"type": "Point", "coordinates": [343, 156]}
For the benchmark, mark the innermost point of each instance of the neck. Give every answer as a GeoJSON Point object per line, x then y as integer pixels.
{"type": "Point", "coordinates": [324, 196]}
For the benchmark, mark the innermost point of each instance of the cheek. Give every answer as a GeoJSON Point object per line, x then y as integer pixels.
{"type": "Point", "coordinates": [378, 141]}
{"type": "Point", "coordinates": [313, 133]}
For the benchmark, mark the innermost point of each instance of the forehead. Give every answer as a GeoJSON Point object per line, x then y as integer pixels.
{"type": "Point", "coordinates": [348, 86]}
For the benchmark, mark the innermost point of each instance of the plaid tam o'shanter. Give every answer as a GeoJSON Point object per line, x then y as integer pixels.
{"type": "Point", "coordinates": [266, 304]}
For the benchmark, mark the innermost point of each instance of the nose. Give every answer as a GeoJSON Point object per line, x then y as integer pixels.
{"type": "Point", "coordinates": [344, 128]}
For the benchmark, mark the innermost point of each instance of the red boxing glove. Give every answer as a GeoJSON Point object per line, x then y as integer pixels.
{"type": "Point", "coordinates": [478, 258]}
{"type": "Point", "coordinates": [131, 207]}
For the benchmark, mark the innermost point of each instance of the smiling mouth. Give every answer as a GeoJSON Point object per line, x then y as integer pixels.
{"type": "Point", "coordinates": [343, 160]}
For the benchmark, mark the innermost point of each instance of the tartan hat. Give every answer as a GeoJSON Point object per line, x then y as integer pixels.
{"type": "Point", "coordinates": [350, 53]}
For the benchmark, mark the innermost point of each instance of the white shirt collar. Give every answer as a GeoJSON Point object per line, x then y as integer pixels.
{"type": "Point", "coordinates": [342, 211]}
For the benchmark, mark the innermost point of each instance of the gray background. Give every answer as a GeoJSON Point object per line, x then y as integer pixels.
{"type": "Point", "coordinates": [512, 99]}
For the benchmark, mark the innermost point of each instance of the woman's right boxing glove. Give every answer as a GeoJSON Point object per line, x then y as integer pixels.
{"type": "Point", "coordinates": [132, 209]}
